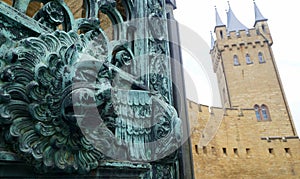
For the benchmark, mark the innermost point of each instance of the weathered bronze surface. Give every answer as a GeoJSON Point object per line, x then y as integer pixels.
{"type": "Point", "coordinates": [77, 100]}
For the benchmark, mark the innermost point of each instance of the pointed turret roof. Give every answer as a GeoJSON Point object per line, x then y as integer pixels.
{"type": "Point", "coordinates": [233, 24]}
{"type": "Point", "coordinates": [219, 22]}
{"type": "Point", "coordinates": [258, 16]}
{"type": "Point", "coordinates": [212, 40]}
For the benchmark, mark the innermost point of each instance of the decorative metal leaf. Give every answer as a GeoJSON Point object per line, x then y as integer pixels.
{"type": "Point", "coordinates": [31, 97]}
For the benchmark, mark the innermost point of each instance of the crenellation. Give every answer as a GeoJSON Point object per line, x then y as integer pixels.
{"type": "Point", "coordinates": [249, 38]}
{"type": "Point", "coordinates": [253, 32]}
{"type": "Point", "coordinates": [243, 33]}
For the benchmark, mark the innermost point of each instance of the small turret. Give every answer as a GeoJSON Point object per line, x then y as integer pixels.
{"type": "Point", "coordinates": [258, 15]}
{"type": "Point", "coordinates": [220, 28]}
{"type": "Point", "coordinates": [261, 25]}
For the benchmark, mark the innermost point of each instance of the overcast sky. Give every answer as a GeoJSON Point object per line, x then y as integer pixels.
{"type": "Point", "coordinates": [283, 21]}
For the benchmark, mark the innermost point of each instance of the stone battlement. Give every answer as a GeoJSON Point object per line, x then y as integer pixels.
{"type": "Point", "coordinates": [244, 38]}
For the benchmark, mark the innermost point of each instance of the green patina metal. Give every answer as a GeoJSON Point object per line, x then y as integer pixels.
{"type": "Point", "coordinates": [52, 82]}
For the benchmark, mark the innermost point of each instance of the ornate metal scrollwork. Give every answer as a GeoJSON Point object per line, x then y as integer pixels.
{"type": "Point", "coordinates": [35, 86]}
{"type": "Point", "coordinates": [51, 15]}
{"type": "Point", "coordinates": [69, 100]}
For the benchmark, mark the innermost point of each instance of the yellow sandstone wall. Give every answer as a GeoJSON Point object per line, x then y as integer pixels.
{"type": "Point", "coordinates": [246, 85]}
{"type": "Point", "coordinates": [236, 145]}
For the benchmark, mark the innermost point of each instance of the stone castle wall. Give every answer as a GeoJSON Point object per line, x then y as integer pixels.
{"type": "Point", "coordinates": [245, 85]}
{"type": "Point", "coordinates": [231, 143]}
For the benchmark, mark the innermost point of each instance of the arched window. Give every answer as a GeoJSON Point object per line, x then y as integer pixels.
{"type": "Point", "coordinates": [257, 112]}
{"type": "Point", "coordinates": [263, 28]}
{"type": "Point", "coordinates": [248, 60]}
{"type": "Point", "coordinates": [261, 58]}
{"type": "Point", "coordinates": [236, 60]}
{"type": "Point", "coordinates": [265, 112]}
{"type": "Point", "coordinates": [262, 113]}
{"type": "Point", "coordinates": [221, 34]}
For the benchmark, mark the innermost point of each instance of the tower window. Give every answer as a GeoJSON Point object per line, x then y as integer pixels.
{"type": "Point", "coordinates": [262, 113]}
{"type": "Point", "coordinates": [224, 151]}
{"type": "Point", "coordinates": [287, 151]}
{"type": "Point", "coordinates": [248, 60]}
{"type": "Point", "coordinates": [248, 151]}
{"type": "Point", "coordinates": [263, 28]}
{"type": "Point", "coordinates": [265, 112]}
{"type": "Point", "coordinates": [221, 34]}
{"type": "Point", "coordinates": [236, 60]}
{"type": "Point", "coordinates": [235, 151]}
{"type": "Point", "coordinates": [271, 151]}
{"type": "Point", "coordinates": [261, 58]}
{"type": "Point", "coordinates": [257, 112]}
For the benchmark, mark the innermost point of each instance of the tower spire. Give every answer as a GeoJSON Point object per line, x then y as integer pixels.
{"type": "Point", "coordinates": [258, 15]}
{"type": "Point", "coordinates": [233, 24]}
{"type": "Point", "coordinates": [219, 22]}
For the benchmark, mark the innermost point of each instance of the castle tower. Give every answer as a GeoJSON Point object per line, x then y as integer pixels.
{"type": "Point", "coordinates": [247, 73]}
{"type": "Point", "coordinates": [124, 47]}
{"type": "Point", "coordinates": [253, 135]}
